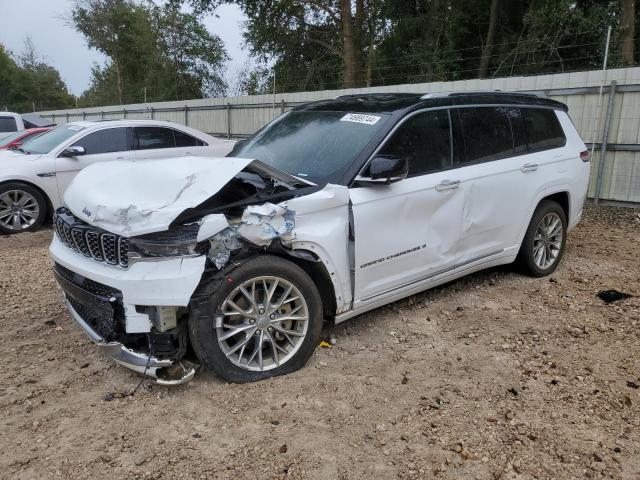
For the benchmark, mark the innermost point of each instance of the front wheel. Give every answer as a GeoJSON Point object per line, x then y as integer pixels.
{"type": "Point", "coordinates": [261, 320]}
{"type": "Point", "coordinates": [22, 208]}
{"type": "Point", "coordinates": [544, 242]}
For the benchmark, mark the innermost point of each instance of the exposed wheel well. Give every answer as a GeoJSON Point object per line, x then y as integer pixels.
{"type": "Point", "coordinates": [44, 195]}
{"type": "Point", "coordinates": [561, 198]}
{"type": "Point", "coordinates": [320, 276]}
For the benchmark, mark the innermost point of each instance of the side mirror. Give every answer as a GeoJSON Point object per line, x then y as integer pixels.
{"type": "Point", "coordinates": [73, 152]}
{"type": "Point", "coordinates": [386, 169]}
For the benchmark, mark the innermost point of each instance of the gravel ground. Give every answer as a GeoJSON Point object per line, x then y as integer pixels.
{"type": "Point", "coordinates": [493, 376]}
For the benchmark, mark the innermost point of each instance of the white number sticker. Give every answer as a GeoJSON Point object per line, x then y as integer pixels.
{"type": "Point", "coordinates": [360, 118]}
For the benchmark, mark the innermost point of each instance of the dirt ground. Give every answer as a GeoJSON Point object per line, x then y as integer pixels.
{"type": "Point", "coordinates": [493, 376]}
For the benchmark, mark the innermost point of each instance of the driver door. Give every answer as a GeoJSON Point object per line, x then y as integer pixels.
{"type": "Point", "coordinates": [100, 146]}
{"type": "Point", "coordinates": [407, 232]}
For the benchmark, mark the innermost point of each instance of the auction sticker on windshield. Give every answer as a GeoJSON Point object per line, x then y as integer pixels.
{"type": "Point", "coordinates": [360, 118]}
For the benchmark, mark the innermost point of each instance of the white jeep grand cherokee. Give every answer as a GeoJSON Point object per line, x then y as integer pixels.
{"type": "Point", "coordinates": [333, 209]}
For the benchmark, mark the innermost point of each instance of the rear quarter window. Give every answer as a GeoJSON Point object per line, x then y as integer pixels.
{"type": "Point", "coordinates": [543, 129]}
{"type": "Point", "coordinates": [184, 140]}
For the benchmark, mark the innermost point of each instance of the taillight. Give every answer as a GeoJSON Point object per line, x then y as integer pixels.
{"type": "Point", "coordinates": [585, 156]}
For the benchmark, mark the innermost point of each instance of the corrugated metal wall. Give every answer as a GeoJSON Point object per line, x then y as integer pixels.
{"type": "Point", "coordinates": [620, 175]}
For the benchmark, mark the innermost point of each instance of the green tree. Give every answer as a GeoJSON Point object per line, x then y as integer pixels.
{"type": "Point", "coordinates": [313, 43]}
{"type": "Point", "coordinates": [121, 30]}
{"type": "Point", "coordinates": [8, 75]}
{"type": "Point", "coordinates": [154, 50]}
{"type": "Point", "coordinates": [191, 56]}
{"type": "Point", "coordinates": [28, 82]}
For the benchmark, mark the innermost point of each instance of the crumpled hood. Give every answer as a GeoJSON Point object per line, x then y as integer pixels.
{"type": "Point", "coordinates": [132, 198]}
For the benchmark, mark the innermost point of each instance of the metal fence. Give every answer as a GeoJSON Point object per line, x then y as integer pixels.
{"type": "Point", "coordinates": [610, 122]}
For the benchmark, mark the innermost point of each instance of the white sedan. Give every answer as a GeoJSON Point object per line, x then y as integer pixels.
{"type": "Point", "coordinates": [33, 178]}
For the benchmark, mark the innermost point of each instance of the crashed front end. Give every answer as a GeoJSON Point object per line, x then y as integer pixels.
{"type": "Point", "coordinates": [129, 255]}
{"type": "Point", "coordinates": [131, 309]}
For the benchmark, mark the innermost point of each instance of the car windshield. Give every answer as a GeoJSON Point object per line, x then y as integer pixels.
{"type": "Point", "coordinates": [48, 141]}
{"type": "Point", "coordinates": [10, 138]}
{"type": "Point", "coordinates": [314, 145]}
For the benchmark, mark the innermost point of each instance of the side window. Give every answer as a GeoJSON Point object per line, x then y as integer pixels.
{"type": "Point", "coordinates": [185, 140]}
{"type": "Point", "coordinates": [486, 134]}
{"type": "Point", "coordinates": [8, 124]}
{"type": "Point", "coordinates": [516, 117]}
{"type": "Point", "coordinates": [543, 129]}
{"type": "Point", "coordinates": [425, 139]}
{"type": "Point", "coordinates": [104, 141]}
{"type": "Point", "coordinates": [154, 137]}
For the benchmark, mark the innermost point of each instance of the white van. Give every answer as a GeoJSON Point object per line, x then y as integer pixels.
{"type": "Point", "coordinates": [333, 209]}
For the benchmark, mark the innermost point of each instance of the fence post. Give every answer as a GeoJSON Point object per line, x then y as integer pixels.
{"type": "Point", "coordinates": [152, 114]}
{"type": "Point", "coordinates": [186, 116]}
{"type": "Point", "coordinates": [228, 120]}
{"type": "Point", "coordinates": [101, 114]}
{"type": "Point", "coordinates": [67, 117]}
{"type": "Point", "coordinates": [282, 107]}
{"type": "Point", "coordinates": [124, 113]}
{"type": "Point", "coordinates": [605, 141]}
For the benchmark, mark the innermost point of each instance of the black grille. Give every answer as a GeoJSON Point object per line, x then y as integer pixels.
{"type": "Point", "coordinates": [99, 305]}
{"type": "Point", "coordinates": [90, 241]}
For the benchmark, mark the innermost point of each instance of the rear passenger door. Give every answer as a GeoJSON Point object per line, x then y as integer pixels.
{"type": "Point", "coordinates": [162, 142]}
{"type": "Point", "coordinates": [500, 179]}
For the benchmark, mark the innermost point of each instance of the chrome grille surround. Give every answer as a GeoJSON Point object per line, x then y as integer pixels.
{"type": "Point", "coordinates": [89, 241]}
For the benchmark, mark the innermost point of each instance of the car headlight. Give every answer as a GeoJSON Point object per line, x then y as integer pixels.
{"type": "Point", "coordinates": [173, 243]}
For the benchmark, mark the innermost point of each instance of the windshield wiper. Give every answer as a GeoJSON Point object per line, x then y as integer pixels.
{"type": "Point", "coordinates": [19, 149]}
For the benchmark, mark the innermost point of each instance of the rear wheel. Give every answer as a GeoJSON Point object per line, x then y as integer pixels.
{"type": "Point", "coordinates": [263, 320]}
{"type": "Point", "coordinates": [544, 242]}
{"type": "Point", "coordinates": [22, 208]}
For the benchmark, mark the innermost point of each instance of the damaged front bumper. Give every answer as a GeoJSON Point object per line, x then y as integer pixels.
{"type": "Point", "coordinates": [163, 370]}
{"type": "Point", "coordinates": [110, 303]}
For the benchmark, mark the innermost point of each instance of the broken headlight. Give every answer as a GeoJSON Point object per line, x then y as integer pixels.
{"type": "Point", "coordinates": [173, 243]}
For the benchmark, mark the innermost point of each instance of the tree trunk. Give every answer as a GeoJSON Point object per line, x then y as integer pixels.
{"type": "Point", "coordinates": [627, 31]}
{"type": "Point", "coordinates": [373, 14]}
{"type": "Point", "coordinates": [350, 56]}
{"type": "Point", "coordinates": [488, 46]}
{"type": "Point", "coordinates": [118, 80]}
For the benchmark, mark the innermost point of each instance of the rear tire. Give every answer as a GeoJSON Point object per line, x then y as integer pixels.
{"type": "Point", "coordinates": [544, 241]}
{"type": "Point", "coordinates": [260, 320]}
{"type": "Point", "coordinates": [22, 208]}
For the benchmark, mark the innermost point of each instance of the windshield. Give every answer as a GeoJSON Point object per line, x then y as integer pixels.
{"type": "Point", "coordinates": [316, 146]}
{"type": "Point", "coordinates": [4, 141]}
{"type": "Point", "coordinates": [48, 141]}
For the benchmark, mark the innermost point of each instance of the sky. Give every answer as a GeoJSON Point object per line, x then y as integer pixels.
{"type": "Point", "coordinates": [65, 49]}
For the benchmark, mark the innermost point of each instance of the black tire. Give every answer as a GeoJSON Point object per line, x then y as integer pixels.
{"type": "Point", "coordinates": [212, 294]}
{"type": "Point", "coordinates": [37, 196]}
{"type": "Point", "coordinates": [526, 258]}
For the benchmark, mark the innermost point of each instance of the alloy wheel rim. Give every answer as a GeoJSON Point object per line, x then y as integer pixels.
{"type": "Point", "coordinates": [18, 210]}
{"type": "Point", "coordinates": [263, 323]}
{"type": "Point", "coordinates": [547, 241]}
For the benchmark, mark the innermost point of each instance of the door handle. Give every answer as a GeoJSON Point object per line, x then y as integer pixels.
{"type": "Point", "coordinates": [447, 185]}
{"type": "Point", "coordinates": [529, 167]}
{"type": "Point", "coordinates": [119, 158]}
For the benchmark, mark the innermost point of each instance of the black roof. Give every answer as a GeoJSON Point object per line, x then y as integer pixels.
{"type": "Point", "coordinates": [395, 102]}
